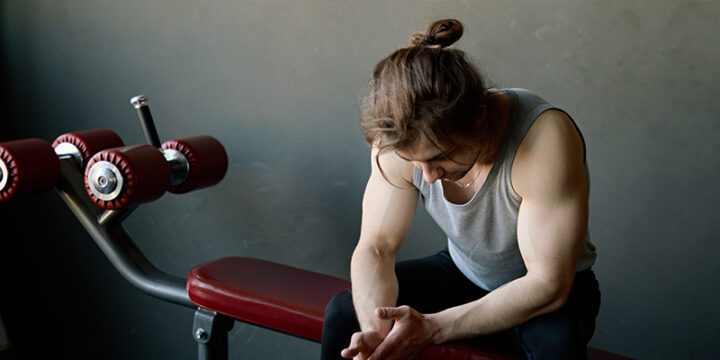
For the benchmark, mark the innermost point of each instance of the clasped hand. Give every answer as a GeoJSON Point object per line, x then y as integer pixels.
{"type": "Point", "coordinates": [411, 333]}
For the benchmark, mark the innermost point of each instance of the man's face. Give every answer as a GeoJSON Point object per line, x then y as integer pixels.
{"type": "Point", "coordinates": [450, 163]}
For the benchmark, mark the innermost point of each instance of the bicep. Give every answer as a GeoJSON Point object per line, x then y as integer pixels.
{"type": "Point", "coordinates": [553, 215]}
{"type": "Point", "coordinates": [388, 208]}
{"type": "Point", "coordinates": [550, 235]}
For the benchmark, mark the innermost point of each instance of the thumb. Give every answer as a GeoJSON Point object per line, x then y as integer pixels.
{"type": "Point", "coordinates": [388, 313]}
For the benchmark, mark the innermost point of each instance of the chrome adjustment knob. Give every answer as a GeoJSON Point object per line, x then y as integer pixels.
{"type": "Point", "coordinates": [139, 101]}
{"type": "Point", "coordinates": [105, 180]}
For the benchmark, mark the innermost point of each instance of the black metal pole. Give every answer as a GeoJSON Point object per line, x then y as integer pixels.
{"type": "Point", "coordinates": [117, 245]}
{"type": "Point", "coordinates": [146, 121]}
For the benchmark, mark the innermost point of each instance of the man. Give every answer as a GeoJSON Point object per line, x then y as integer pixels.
{"type": "Point", "coordinates": [503, 174]}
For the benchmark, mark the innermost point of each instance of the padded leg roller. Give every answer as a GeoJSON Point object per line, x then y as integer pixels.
{"type": "Point", "coordinates": [119, 177]}
{"type": "Point", "coordinates": [82, 145]}
{"type": "Point", "coordinates": [27, 166]}
{"type": "Point", "coordinates": [204, 160]}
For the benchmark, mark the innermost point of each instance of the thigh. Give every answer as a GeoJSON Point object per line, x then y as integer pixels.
{"type": "Point", "coordinates": [434, 283]}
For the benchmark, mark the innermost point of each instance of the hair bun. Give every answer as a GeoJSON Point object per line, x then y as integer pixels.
{"type": "Point", "coordinates": [440, 34]}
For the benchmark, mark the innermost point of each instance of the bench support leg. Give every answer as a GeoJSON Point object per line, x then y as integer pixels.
{"type": "Point", "coordinates": [210, 330]}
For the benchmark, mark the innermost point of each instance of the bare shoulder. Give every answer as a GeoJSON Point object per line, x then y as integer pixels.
{"type": "Point", "coordinates": [552, 125]}
{"type": "Point", "coordinates": [551, 155]}
{"type": "Point", "coordinates": [395, 169]}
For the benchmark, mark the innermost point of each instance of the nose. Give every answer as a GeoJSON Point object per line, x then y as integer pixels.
{"type": "Point", "coordinates": [430, 173]}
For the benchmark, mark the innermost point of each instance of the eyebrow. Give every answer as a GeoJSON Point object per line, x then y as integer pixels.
{"type": "Point", "coordinates": [434, 158]}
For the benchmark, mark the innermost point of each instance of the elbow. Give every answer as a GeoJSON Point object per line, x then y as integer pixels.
{"type": "Point", "coordinates": [556, 295]}
{"type": "Point", "coordinates": [560, 294]}
{"type": "Point", "coordinates": [557, 301]}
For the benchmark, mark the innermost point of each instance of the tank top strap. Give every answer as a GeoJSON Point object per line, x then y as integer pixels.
{"type": "Point", "coordinates": [525, 107]}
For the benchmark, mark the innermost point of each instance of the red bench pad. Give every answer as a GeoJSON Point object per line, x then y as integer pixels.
{"type": "Point", "coordinates": [265, 293]}
{"type": "Point", "coordinates": [293, 300]}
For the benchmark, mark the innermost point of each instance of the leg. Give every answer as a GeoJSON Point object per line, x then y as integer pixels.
{"type": "Point", "coordinates": [339, 325]}
{"type": "Point", "coordinates": [434, 283]}
{"type": "Point", "coordinates": [564, 334]}
{"type": "Point", "coordinates": [428, 285]}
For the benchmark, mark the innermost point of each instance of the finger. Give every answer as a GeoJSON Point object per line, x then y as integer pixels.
{"type": "Point", "coordinates": [354, 347]}
{"type": "Point", "coordinates": [388, 353]}
{"type": "Point", "coordinates": [349, 353]}
{"type": "Point", "coordinates": [386, 348]}
{"type": "Point", "coordinates": [388, 313]}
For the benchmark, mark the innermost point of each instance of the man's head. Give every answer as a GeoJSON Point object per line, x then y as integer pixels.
{"type": "Point", "coordinates": [449, 163]}
{"type": "Point", "coordinates": [428, 95]}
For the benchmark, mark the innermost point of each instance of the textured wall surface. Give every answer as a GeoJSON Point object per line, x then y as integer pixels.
{"type": "Point", "coordinates": [278, 83]}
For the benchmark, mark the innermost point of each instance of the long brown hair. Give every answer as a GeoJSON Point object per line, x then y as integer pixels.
{"type": "Point", "coordinates": [428, 92]}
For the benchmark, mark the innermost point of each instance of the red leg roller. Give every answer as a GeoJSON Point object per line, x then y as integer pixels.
{"type": "Point", "coordinates": [82, 145]}
{"type": "Point", "coordinates": [206, 161]}
{"type": "Point", "coordinates": [27, 166]}
{"type": "Point", "coordinates": [119, 177]}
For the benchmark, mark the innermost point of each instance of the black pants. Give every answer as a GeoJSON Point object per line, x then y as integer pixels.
{"type": "Point", "coordinates": [434, 283]}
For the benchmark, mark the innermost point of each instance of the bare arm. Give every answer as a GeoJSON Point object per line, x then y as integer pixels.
{"type": "Point", "coordinates": [388, 212]}
{"type": "Point", "coordinates": [549, 175]}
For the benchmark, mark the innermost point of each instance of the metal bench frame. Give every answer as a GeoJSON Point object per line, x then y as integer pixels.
{"type": "Point", "coordinates": [210, 329]}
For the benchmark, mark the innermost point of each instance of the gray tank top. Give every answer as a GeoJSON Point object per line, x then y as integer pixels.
{"type": "Point", "coordinates": [482, 233]}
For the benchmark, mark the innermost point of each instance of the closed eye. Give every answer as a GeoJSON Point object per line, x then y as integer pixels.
{"type": "Point", "coordinates": [437, 157]}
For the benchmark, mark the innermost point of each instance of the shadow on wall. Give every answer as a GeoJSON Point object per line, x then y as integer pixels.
{"type": "Point", "coordinates": [269, 209]}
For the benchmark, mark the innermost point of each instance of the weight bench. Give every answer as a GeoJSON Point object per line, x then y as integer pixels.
{"type": "Point", "coordinates": [117, 178]}
{"type": "Point", "coordinates": [292, 300]}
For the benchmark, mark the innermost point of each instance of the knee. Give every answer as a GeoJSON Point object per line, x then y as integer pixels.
{"type": "Point", "coordinates": [338, 326]}
{"type": "Point", "coordinates": [340, 309]}
{"type": "Point", "coordinates": [552, 336]}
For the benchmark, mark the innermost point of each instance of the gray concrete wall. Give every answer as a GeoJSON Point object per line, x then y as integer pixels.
{"type": "Point", "coordinates": [278, 83]}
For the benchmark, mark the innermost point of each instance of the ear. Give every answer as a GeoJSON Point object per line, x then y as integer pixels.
{"type": "Point", "coordinates": [482, 112]}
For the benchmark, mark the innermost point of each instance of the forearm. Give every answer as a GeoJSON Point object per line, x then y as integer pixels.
{"type": "Point", "coordinates": [510, 305]}
{"type": "Point", "coordinates": [373, 285]}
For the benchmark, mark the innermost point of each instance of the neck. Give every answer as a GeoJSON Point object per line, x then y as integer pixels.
{"type": "Point", "coordinates": [472, 177]}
